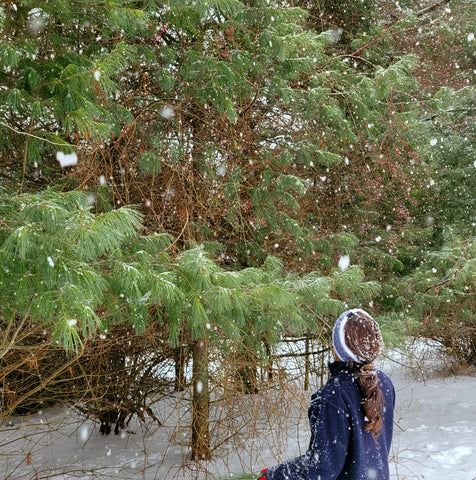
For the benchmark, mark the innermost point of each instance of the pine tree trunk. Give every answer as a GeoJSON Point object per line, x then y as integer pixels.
{"type": "Point", "coordinates": [307, 364]}
{"type": "Point", "coordinates": [179, 361]}
{"type": "Point", "coordinates": [270, 360]}
{"type": "Point", "coordinates": [200, 402]}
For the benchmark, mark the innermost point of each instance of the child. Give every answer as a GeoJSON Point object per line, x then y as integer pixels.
{"type": "Point", "coordinates": [351, 416]}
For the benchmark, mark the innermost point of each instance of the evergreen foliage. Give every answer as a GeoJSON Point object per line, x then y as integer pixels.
{"type": "Point", "coordinates": [289, 124]}
{"type": "Point", "coordinates": [451, 153]}
{"type": "Point", "coordinates": [230, 306]}
{"type": "Point", "coordinates": [440, 298]}
{"type": "Point", "coordinates": [50, 247]}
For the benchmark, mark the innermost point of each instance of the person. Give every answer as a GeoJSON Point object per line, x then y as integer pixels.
{"type": "Point", "coordinates": [351, 416]}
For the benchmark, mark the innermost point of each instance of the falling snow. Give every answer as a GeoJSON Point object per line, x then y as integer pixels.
{"type": "Point", "coordinates": [221, 170]}
{"type": "Point", "coordinates": [199, 386]}
{"type": "Point", "coordinates": [434, 438]}
{"type": "Point", "coordinates": [84, 433]}
{"type": "Point", "coordinates": [66, 159]}
{"type": "Point", "coordinates": [167, 112]}
{"type": "Point", "coordinates": [344, 262]}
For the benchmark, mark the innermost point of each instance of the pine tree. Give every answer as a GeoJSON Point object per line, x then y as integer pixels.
{"type": "Point", "coordinates": [448, 140]}
{"type": "Point", "coordinates": [306, 135]}
{"type": "Point", "coordinates": [225, 120]}
{"type": "Point", "coordinates": [217, 307]}
{"type": "Point", "coordinates": [440, 133]}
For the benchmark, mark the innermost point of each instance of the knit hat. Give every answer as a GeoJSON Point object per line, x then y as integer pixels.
{"type": "Point", "coordinates": [338, 337]}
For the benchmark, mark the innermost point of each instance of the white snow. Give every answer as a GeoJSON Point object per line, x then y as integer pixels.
{"type": "Point", "coordinates": [37, 20]}
{"type": "Point", "coordinates": [221, 170]}
{"type": "Point", "coordinates": [435, 427]}
{"type": "Point", "coordinates": [167, 112]}
{"type": "Point", "coordinates": [344, 262]}
{"type": "Point", "coordinates": [66, 159]}
{"type": "Point", "coordinates": [429, 220]}
{"type": "Point", "coordinates": [84, 433]}
{"type": "Point", "coordinates": [199, 386]}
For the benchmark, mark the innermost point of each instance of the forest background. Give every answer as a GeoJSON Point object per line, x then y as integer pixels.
{"type": "Point", "coordinates": [192, 183]}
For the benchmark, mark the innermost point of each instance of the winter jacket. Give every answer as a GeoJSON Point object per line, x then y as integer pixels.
{"type": "Point", "coordinates": [340, 448]}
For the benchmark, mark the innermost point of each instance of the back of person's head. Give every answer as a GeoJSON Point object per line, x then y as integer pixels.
{"type": "Point", "coordinates": [357, 340]}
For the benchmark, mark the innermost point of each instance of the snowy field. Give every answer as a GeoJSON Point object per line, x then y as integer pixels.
{"type": "Point", "coordinates": [435, 426]}
{"type": "Point", "coordinates": [434, 435]}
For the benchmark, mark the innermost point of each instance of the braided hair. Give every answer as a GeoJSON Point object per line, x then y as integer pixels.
{"type": "Point", "coordinates": [362, 336]}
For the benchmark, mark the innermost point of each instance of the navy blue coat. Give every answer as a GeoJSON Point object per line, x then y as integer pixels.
{"type": "Point", "coordinates": [340, 448]}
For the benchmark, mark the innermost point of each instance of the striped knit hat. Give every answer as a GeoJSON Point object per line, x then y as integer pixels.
{"type": "Point", "coordinates": [338, 338]}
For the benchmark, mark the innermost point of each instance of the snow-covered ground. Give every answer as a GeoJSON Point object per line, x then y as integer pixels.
{"type": "Point", "coordinates": [434, 435]}
{"type": "Point", "coordinates": [435, 425]}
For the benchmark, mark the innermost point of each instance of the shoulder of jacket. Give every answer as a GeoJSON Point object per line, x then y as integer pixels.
{"type": "Point", "coordinates": [384, 378]}
{"type": "Point", "coordinates": [336, 390]}
{"type": "Point", "coordinates": [385, 382]}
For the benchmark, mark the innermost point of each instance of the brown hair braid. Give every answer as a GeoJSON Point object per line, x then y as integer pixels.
{"type": "Point", "coordinates": [362, 336]}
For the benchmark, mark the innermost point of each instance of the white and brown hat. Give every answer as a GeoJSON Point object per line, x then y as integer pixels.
{"type": "Point", "coordinates": [364, 351]}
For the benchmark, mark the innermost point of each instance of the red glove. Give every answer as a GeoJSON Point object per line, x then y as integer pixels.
{"type": "Point", "coordinates": [263, 471]}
